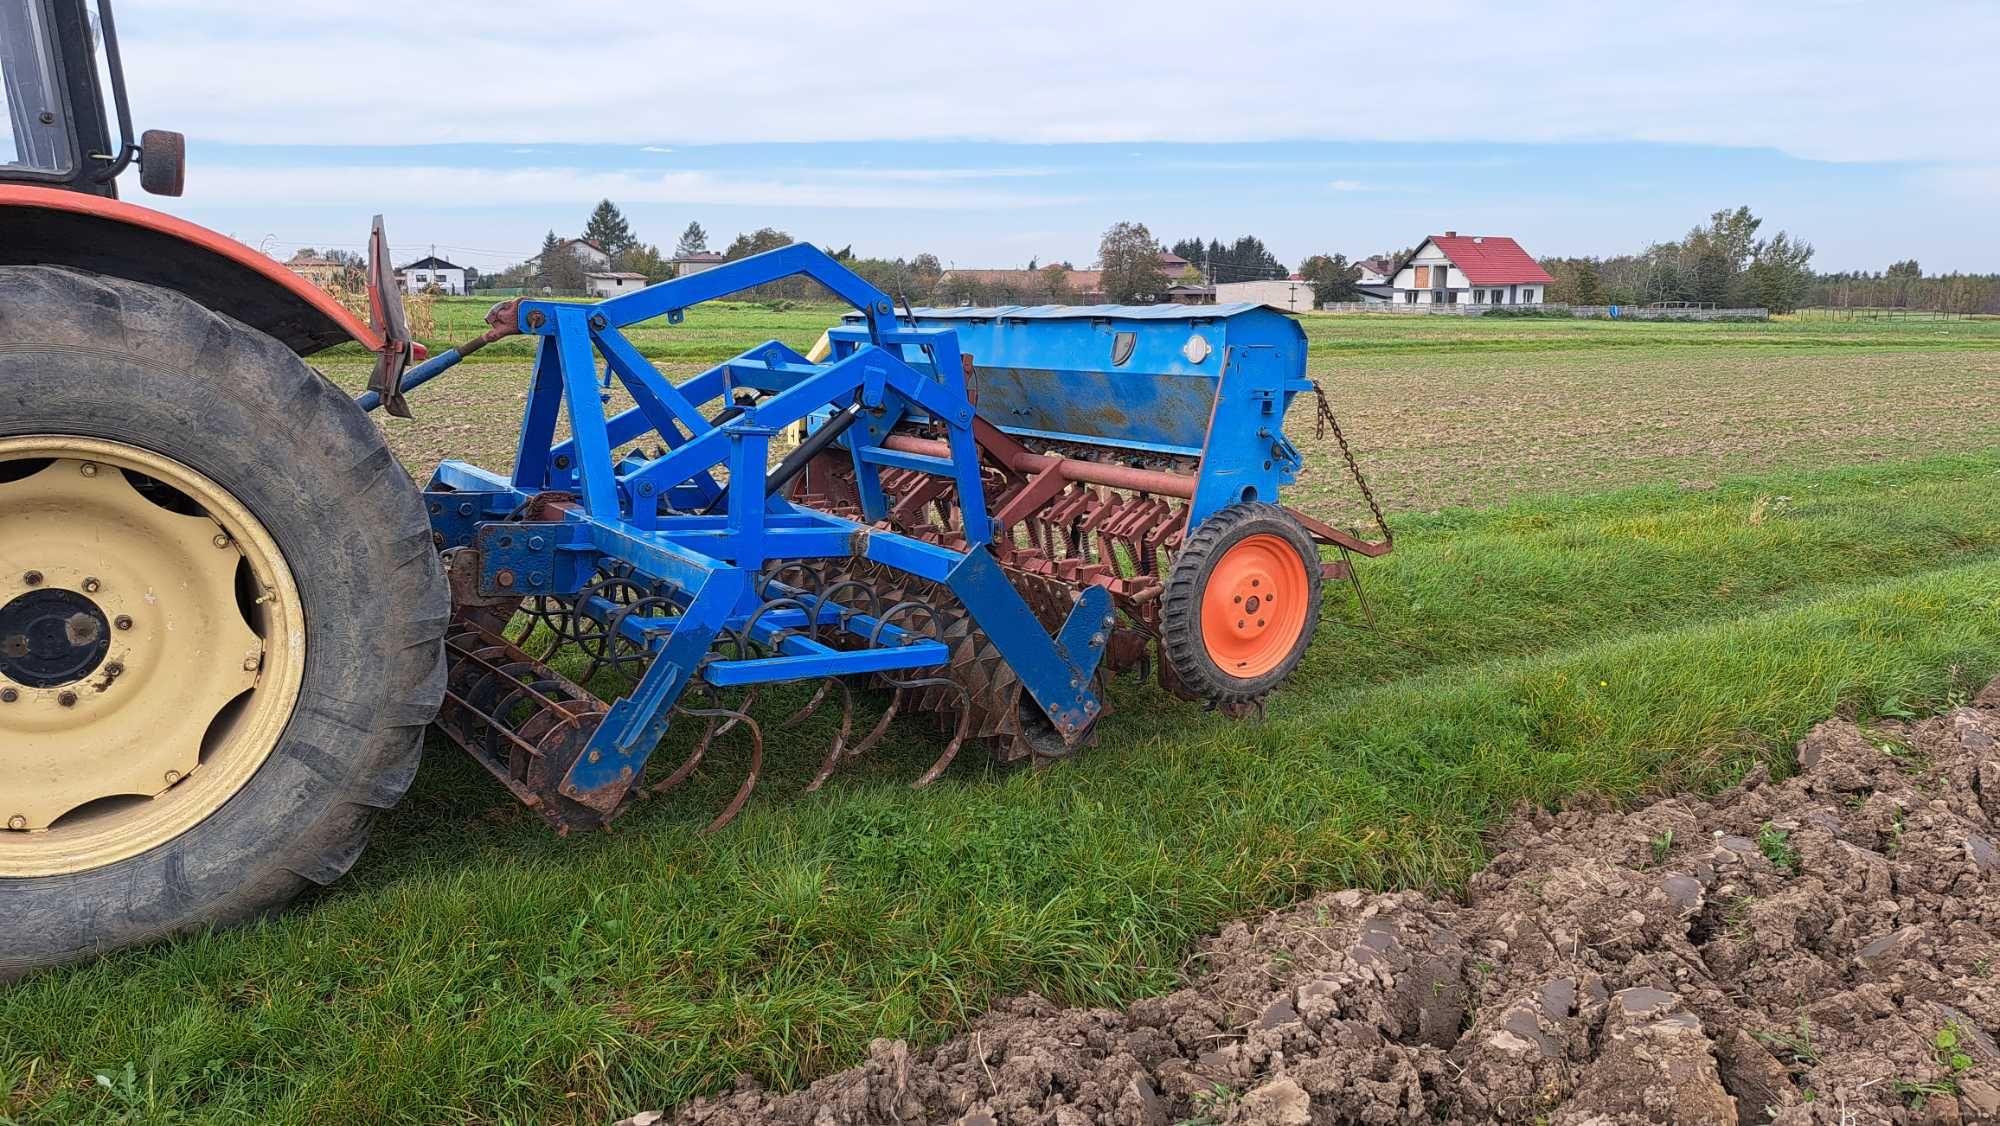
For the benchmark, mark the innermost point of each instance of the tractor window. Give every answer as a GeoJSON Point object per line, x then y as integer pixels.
{"type": "Point", "coordinates": [34, 132]}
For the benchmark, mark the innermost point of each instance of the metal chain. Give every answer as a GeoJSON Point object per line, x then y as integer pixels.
{"type": "Point", "coordinates": [1326, 422]}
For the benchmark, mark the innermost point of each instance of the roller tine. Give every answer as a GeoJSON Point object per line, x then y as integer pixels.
{"type": "Point", "coordinates": [957, 736]}
{"type": "Point", "coordinates": [811, 707]}
{"type": "Point", "coordinates": [736, 803]}
{"type": "Point", "coordinates": [708, 733]}
{"type": "Point", "coordinates": [693, 760]}
{"type": "Point", "coordinates": [837, 750]}
{"type": "Point", "coordinates": [740, 715]}
{"type": "Point", "coordinates": [881, 727]}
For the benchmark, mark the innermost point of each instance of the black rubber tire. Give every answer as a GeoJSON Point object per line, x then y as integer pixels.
{"type": "Point", "coordinates": [101, 357]}
{"type": "Point", "coordinates": [1180, 609]}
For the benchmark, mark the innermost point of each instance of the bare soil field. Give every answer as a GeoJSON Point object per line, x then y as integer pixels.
{"type": "Point", "coordinates": [1452, 413]}
{"type": "Point", "coordinates": [1450, 434]}
{"type": "Point", "coordinates": [1813, 950]}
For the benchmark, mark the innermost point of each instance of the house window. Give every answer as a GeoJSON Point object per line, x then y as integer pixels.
{"type": "Point", "coordinates": [1479, 297]}
{"type": "Point", "coordinates": [1409, 297]}
{"type": "Point", "coordinates": [1527, 297]}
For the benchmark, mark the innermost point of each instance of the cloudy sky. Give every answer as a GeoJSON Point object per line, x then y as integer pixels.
{"type": "Point", "coordinates": [991, 134]}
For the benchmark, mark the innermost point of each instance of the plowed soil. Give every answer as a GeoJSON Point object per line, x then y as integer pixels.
{"type": "Point", "coordinates": [1821, 949]}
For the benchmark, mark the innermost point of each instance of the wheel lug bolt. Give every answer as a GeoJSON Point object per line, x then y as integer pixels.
{"type": "Point", "coordinates": [32, 578]}
{"type": "Point", "coordinates": [221, 540]}
{"type": "Point", "coordinates": [67, 699]}
{"type": "Point", "coordinates": [124, 621]}
{"type": "Point", "coordinates": [92, 586]}
{"type": "Point", "coordinates": [17, 823]}
{"type": "Point", "coordinates": [88, 469]}
{"type": "Point", "coordinates": [173, 776]}
{"type": "Point", "coordinates": [9, 695]}
{"type": "Point", "coordinates": [114, 669]}
{"type": "Point", "coordinates": [250, 664]}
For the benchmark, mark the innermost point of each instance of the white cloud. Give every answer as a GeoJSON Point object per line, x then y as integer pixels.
{"type": "Point", "coordinates": [656, 148]}
{"type": "Point", "coordinates": [1775, 73]}
{"type": "Point", "coordinates": [305, 186]}
{"type": "Point", "coordinates": [930, 175]}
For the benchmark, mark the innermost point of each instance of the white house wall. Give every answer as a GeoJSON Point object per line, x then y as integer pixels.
{"type": "Point", "coordinates": [1289, 295]}
{"type": "Point", "coordinates": [450, 281]}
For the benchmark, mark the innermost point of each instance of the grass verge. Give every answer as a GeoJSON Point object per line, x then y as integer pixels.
{"type": "Point", "coordinates": [477, 968]}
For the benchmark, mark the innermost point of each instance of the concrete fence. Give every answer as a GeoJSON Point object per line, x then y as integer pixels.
{"type": "Point", "coordinates": [1615, 312]}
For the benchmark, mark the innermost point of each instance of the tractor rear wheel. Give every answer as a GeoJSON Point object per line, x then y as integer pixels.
{"type": "Point", "coordinates": [221, 619]}
{"type": "Point", "coordinates": [1241, 604]}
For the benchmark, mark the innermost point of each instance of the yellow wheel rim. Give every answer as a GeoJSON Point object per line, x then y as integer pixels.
{"type": "Point", "coordinates": [152, 648]}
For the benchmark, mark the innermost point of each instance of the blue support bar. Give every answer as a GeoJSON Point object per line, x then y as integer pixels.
{"type": "Point", "coordinates": [578, 360]}
{"type": "Point", "coordinates": [773, 670]}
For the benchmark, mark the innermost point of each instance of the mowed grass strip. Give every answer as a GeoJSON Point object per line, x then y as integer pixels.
{"type": "Point", "coordinates": [477, 968]}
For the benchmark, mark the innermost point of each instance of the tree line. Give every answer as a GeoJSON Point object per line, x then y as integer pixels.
{"type": "Point", "coordinates": [1904, 285]}
{"type": "Point", "coordinates": [1726, 262]}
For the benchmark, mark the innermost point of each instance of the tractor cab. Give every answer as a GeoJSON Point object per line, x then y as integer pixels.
{"type": "Point", "coordinates": [55, 130]}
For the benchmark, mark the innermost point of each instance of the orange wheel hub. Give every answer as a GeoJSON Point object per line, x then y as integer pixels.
{"type": "Point", "coordinates": [1254, 606]}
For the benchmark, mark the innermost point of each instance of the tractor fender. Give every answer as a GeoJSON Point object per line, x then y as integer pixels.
{"type": "Point", "coordinates": [48, 227]}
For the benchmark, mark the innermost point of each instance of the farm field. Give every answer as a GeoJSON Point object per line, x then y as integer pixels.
{"type": "Point", "coordinates": [1449, 411]}
{"type": "Point", "coordinates": [1632, 558]}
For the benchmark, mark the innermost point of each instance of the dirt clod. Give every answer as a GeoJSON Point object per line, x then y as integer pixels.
{"type": "Point", "coordinates": [1824, 949]}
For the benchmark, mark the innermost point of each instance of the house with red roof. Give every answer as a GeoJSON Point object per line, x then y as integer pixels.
{"type": "Point", "coordinates": [1455, 269]}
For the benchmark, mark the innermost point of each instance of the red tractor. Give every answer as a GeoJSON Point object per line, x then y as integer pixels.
{"type": "Point", "coordinates": [221, 612]}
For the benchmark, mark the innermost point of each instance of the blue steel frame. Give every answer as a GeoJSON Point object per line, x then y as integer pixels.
{"type": "Point", "coordinates": [643, 512]}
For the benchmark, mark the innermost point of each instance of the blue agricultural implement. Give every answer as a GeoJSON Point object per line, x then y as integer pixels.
{"type": "Point", "coordinates": [990, 510]}
{"type": "Point", "coordinates": [228, 615]}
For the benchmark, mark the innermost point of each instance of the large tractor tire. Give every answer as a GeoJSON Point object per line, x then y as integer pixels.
{"type": "Point", "coordinates": [221, 620]}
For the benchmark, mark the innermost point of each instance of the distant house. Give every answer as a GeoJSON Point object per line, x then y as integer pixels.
{"type": "Point", "coordinates": [587, 252]}
{"type": "Point", "coordinates": [1173, 265]}
{"type": "Point", "coordinates": [322, 272]}
{"type": "Point", "coordinates": [1375, 271]}
{"type": "Point", "coordinates": [610, 283]}
{"type": "Point", "coordinates": [685, 264]}
{"type": "Point", "coordinates": [1451, 268]}
{"type": "Point", "coordinates": [1191, 294]}
{"type": "Point", "coordinates": [432, 271]}
{"type": "Point", "coordinates": [1287, 294]}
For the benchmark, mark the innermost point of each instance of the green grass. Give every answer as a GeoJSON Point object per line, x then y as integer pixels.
{"type": "Point", "coordinates": [477, 968]}
{"type": "Point", "coordinates": [719, 330]}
